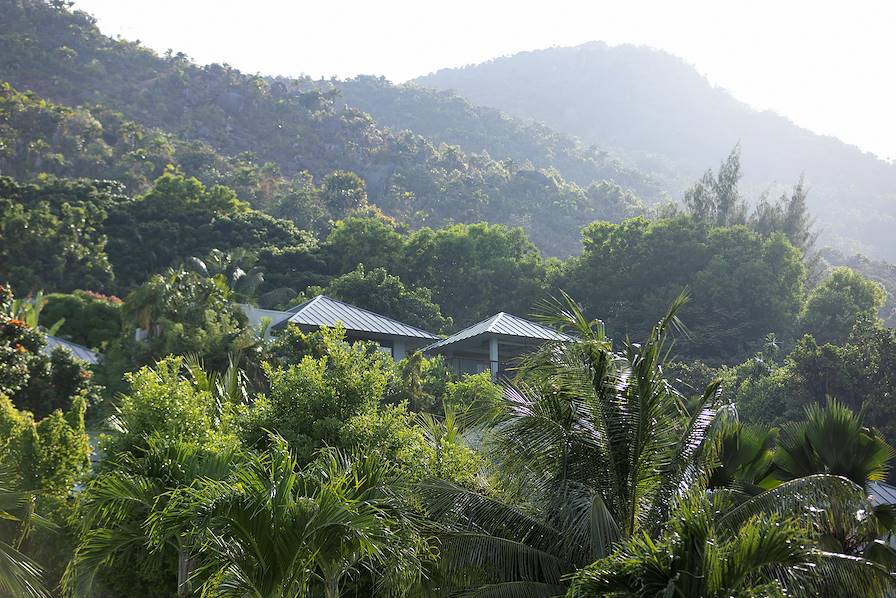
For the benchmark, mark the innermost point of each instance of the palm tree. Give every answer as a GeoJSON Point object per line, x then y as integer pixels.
{"type": "Point", "coordinates": [832, 440]}
{"type": "Point", "coordinates": [593, 447]}
{"type": "Point", "coordinates": [228, 268]}
{"type": "Point", "coordinates": [749, 460]}
{"type": "Point", "coordinates": [28, 310]}
{"type": "Point", "coordinates": [228, 389]}
{"type": "Point", "coordinates": [766, 546]}
{"type": "Point", "coordinates": [121, 507]}
{"type": "Point", "coordinates": [273, 530]}
{"type": "Point", "coordinates": [144, 306]}
{"type": "Point", "coordinates": [744, 458]}
{"type": "Point", "coordinates": [19, 575]}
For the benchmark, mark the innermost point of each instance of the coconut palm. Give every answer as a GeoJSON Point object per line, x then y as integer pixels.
{"type": "Point", "coordinates": [766, 546]}
{"type": "Point", "coordinates": [273, 530]}
{"type": "Point", "coordinates": [593, 447]}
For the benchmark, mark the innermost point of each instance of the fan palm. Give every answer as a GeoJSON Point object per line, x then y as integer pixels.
{"type": "Point", "coordinates": [832, 440]}
{"type": "Point", "coordinates": [273, 530]}
{"type": "Point", "coordinates": [763, 547]}
{"type": "Point", "coordinates": [593, 447]}
{"type": "Point", "coordinates": [744, 458]}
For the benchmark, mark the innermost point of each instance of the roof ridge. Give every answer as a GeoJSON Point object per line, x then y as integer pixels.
{"type": "Point", "coordinates": [492, 320]}
{"type": "Point", "coordinates": [489, 326]}
{"type": "Point", "coordinates": [373, 313]}
{"type": "Point", "coordinates": [479, 323]}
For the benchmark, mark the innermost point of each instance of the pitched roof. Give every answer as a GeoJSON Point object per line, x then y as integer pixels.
{"type": "Point", "coordinates": [256, 314]}
{"type": "Point", "coordinates": [323, 311]}
{"type": "Point", "coordinates": [881, 493]}
{"type": "Point", "coordinates": [79, 351]}
{"type": "Point", "coordinates": [504, 324]}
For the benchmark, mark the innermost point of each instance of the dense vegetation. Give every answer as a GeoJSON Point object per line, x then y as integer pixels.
{"type": "Point", "coordinates": [661, 114]}
{"type": "Point", "coordinates": [271, 129]}
{"type": "Point", "coordinates": [715, 428]}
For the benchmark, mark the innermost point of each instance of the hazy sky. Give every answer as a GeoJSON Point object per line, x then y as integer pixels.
{"type": "Point", "coordinates": [829, 66]}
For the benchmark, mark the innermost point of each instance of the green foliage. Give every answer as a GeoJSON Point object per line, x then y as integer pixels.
{"type": "Point", "coordinates": [19, 574]}
{"type": "Point", "coordinates": [33, 380]}
{"type": "Point", "coordinates": [421, 382]}
{"type": "Point", "coordinates": [708, 554]}
{"type": "Point", "coordinates": [715, 199]}
{"type": "Point", "coordinates": [310, 401]}
{"type": "Point", "coordinates": [878, 270]}
{"type": "Point", "coordinates": [790, 216]}
{"type": "Point", "coordinates": [844, 299]}
{"type": "Point", "coordinates": [368, 241]}
{"type": "Point", "coordinates": [120, 549]}
{"type": "Point", "coordinates": [832, 440]}
{"type": "Point", "coordinates": [275, 529]}
{"type": "Point", "coordinates": [671, 122]}
{"type": "Point", "coordinates": [52, 234]}
{"type": "Point", "coordinates": [498, 268]}
{"type": "Point", "coordinates": [41, 461]}
{"type": "Point", "coordinates": [474, 392]}
{"type": "Point", "coordinates": [447, 117]}
{"type": "Point", "coordinates": [89, 319]}
{"type": "Point", "coordinates": [179, 218]}
{"type": "Point", "coordinates": [288, 126]}
{"type": "Point", "coordinates": [743, 286]}
{"type": "Point", "coordinates": [380, 292]}
{"type": "Point", "coordinates": [179, 313]}
{"type": "Point", "coordinates": [859, 374]}
{"type": "Point", "coordinates": [164, 402]}
{"type": "Point", "coordinates": [591, 451]}
{"type": "Point", "coordinates": [48, 455]}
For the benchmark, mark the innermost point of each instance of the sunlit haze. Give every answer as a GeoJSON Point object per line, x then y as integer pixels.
{"type": "Point", "coordinates": [825, 65]}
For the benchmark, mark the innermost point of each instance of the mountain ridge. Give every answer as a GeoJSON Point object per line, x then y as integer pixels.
{"type": "Point", "coordinates": [650, 104]}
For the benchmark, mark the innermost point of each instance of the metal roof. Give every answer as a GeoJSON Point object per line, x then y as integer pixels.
{"type": "Point", "coordinates": [882, 494]}
{"type": "Point", "coordinates": [504, 324]}
{"type": "Point", "coordinates": [79, 351]}
{"type": "Point", "coordinates": [255, 315]}
{"type": "Point", "coordinates": [323, 311]}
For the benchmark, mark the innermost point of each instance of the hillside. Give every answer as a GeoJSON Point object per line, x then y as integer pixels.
{"type": "Point", "coordinates": [446, 117]}
{"type": "Point", "coordinates": [287, 127]}
{"type": "Point", "coordinates": [660, 112]}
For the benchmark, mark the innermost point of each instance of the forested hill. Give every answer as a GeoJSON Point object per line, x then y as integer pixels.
{"type": "Point", "coordinates": [449, 118]}
{"type": "Point", "coordinates": [660, 111]}
{"type": "Point", "coordinates": [273, 128]}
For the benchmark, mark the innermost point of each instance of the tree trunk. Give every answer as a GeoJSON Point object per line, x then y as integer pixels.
{"type": "Point", "coordinates": [332, 586]}
{"type": "Point", "coordinates": [184, 568]}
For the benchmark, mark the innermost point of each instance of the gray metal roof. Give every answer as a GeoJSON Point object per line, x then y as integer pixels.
{"type": "Point", "coordinates": [882, 494]}
{"type": "Point", "coordinates": [504, 324]}
{"type": "Point", "coordinates": [323, 311]}
{"type": "Point", "coordinates": [79, 351]}
{"type": "Point", "coordinates": [255, 315]}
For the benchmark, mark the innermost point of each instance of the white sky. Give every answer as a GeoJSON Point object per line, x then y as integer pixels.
{"type": "Point", "coordinates": [828, 66]}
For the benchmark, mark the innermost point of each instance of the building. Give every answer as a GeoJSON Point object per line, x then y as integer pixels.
{"type": "Point", "coordinates": [79, 351]}
{"type": "Point", "coordinates": [494, 344]}
{"type": "Point", "coordinates": [393, 337]}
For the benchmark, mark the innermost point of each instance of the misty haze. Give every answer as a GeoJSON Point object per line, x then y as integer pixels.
{"type": "Point", "coordinates": [384, 300]}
